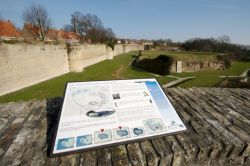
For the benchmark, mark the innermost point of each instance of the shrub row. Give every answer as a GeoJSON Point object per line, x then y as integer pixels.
{"type": "Point", "coordinates": [160, 65]}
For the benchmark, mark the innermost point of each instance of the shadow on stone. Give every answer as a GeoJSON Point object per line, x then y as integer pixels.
{"type": "Point", "coordinates": [53, 106]}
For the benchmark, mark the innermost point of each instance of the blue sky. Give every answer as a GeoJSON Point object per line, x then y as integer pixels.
{"type": "Point", "coordinates": [178, 20]}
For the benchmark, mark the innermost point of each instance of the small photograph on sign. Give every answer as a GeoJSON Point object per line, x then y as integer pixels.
{"type": "Point", "coordinates": [65, 143]}
{"type": "Point", "coordinates": [154, 126]}
{"type": "Point", "coordinates": [116, 96]}
{"type": "Point", "coordinates": [103, 136]}
{"type": "Point", "coordinates": [121, 133]}
{"type": "Point", "coordinates": [138, 131]}
{"type": "Point", "coordinates": [83, 140]}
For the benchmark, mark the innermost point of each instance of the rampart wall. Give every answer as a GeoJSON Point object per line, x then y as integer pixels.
{"type": "Point", "coordinates": [22, 65]}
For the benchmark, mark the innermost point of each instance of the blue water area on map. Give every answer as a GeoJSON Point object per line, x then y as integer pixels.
{"type": "Point", "coordinates": [65, 143]}
{"type": "Point", "coordinates": [100, 113]}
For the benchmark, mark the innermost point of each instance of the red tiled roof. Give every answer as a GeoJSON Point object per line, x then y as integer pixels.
{"type": "Point", "coordinates": [60, 34]}
{"type": "Point", "coordinates": [30, 28]}
{"type": "Point", "coordinates": [7, 29]}
{"type": "Point", "coordinates": [70, 35]}
{"type": "Point", "coordinates": [53, 34]}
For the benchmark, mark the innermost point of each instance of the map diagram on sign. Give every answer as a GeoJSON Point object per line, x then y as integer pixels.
{"type": "Point", "coordinates": [95, 102]}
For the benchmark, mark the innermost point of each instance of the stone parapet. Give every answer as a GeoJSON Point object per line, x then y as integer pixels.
{"type": "Point", "coordinates": [218, 122]}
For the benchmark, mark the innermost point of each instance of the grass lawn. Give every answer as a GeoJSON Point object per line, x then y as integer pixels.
{"type": "Point", "coordinates": [183, 55]}
{"type": "Point", "coordinates": [109, 69]}
{"type": "Point", "coordinates": [210, 78]}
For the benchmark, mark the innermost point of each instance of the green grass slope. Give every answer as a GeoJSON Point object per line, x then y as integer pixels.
{"type": "Point", "coordinates": [118, 68]}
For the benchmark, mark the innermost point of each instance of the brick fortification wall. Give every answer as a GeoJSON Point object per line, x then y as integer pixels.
{"type": "Point", "coordinates": [22, 65]}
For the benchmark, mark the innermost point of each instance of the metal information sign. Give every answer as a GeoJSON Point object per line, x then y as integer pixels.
{"type": "Point", "coordinates": [105, 113]}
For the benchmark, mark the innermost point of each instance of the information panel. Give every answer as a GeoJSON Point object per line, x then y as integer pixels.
{"type": "Point", "coordinates": [105, 113]}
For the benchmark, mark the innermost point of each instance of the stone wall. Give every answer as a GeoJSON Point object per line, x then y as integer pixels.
{"type": "Point", "coordinates": [188, 66]}
{"type": "Point", "coordinates": [119, 49]}
{"type": "Point", "coordinates": [85, 55]}
{"type": "Point", "coordinates": [81, 56]}
{"type": "Point", "coordinates": [132, 47]}
{"type": "Point", "coordinates": [22, 65]}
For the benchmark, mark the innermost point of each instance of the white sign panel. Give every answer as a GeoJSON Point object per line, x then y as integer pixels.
{"type": "Point", "coordinates": [105, 113]}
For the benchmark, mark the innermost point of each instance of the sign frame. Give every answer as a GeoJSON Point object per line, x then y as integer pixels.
{"type": "Point", "coordinates": [59, 115]}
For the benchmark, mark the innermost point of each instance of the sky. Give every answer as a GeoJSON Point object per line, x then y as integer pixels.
{"type": "Point", "coordinates": [178, 20]}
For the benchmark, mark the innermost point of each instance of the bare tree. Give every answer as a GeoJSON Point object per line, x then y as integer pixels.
{"type": "Point", "coordinates": [1, 18]}
{"type": "Point", "coordinates": [110, 34]}
{"type": "Point", "coordinates": [224, 39]}
{"type": "Point", "coordinates": [76, 21]}
{"type": "Point", "coordinates": [37, 17]}
{"type": "Point", "coordinates": [68, 28]}
{"type": "Point", "coordinates": [89, 26]}
{"type": "Point", "coordinates": [91, 22]}
{"type": "Point", "coordinates": [93, 28]}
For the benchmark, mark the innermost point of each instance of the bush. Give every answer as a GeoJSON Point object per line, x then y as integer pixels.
{"type": "Point", "coordinates": [69, 48]}
{"type": "Point", "coordinates": [146, 47]}
{"type": "Point", "coordinates": [160, 65]}
{"type": "Point", "coordinates": [111, 44]}
{"type": "Point", "coordinates": [226, 60]}
{"type": "Point", "coordinates": [10, 41]}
